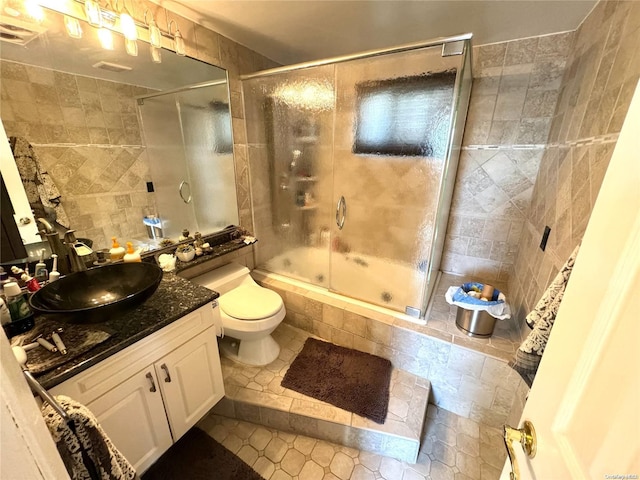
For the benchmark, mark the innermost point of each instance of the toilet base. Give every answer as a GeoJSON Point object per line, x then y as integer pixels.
{"type": "Point", "coordinates": [250, 352]}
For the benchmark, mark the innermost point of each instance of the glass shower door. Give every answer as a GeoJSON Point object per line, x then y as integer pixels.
{"type": "Point", "coordinates": [167, 163]}
{"type": "Point", "coordinates": [392, 135]}
{"type": "Point", "coordinates": [190, 148]}
{"type": "Point", "coordinates": [290, 134]}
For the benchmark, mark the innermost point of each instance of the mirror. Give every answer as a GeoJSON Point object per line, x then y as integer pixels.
{"type": "Point", "coordinates": [120, 137]}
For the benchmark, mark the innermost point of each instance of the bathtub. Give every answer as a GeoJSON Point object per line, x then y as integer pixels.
{"type": "Point", "coordinates": [366, 281]}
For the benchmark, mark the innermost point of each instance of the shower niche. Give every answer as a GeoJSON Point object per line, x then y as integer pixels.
{"type": "Point", "coordinates": [353, 163]}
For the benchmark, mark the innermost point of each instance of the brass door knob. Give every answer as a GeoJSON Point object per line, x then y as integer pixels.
{"type": "Point", "coordinates": [526, 436]}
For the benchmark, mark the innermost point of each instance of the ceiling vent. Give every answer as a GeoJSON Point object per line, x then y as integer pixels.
{"type": "Point", "coordinates": [18, 32]}
{"type": "Point", "coordinates": [112, 67]}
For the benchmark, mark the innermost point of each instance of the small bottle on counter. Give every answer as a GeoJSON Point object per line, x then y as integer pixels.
{"type": "Point", "coordinates": [41, 273]}
{"type": "Point", "coordinates": [132, 255]}
{"type": "Point", "coordinates": [32, 283]}
{"type": "Point", "coordinates": [5, 316]}
{"type": "Point", "coordinates": [117, 252]}
{"type": "Point", "coordinates": [54, 274]}
{"type": "Point", "coordinates": [16, 301]}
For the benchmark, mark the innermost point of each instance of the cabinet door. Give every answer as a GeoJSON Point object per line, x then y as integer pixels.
{"type": "Point", "coordinates": [191, 381]}
{"type": "Point", "coordinates": [132, 414]}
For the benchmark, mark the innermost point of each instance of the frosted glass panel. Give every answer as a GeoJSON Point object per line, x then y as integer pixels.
{"type": "Point", "coordinates": [167, 162]}
{"type": "Point", "coordinates": [366, 145]}
{"type": "Point", "coordinates": [391, 142]}
{"type": "Point", "coordinates": [190, 147]}
{"type": "Point", "coordinates": [290, 132]}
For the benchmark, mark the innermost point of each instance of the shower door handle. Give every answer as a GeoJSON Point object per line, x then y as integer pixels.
{"type": "Point", "coordinates": [341, 212]}
{"type": "Point", "coordinates": [181, 193]}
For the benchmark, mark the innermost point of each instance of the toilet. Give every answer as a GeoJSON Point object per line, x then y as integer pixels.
{"type": "Point", "coordinates": [249, 314]}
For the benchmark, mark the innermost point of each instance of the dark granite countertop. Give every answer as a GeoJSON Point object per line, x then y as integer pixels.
{"type": "Point", "coordinates": [174, 298]}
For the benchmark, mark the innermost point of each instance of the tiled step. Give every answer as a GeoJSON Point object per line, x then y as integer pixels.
{"type": "Point", "coordinates": [254, 394]}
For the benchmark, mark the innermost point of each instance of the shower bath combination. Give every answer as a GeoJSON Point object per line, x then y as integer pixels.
{"type": "Point", "coordinates": [353, 162]}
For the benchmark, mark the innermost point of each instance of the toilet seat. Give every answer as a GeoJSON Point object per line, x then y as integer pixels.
{"type": "Point", "coordinates": [250, 302]}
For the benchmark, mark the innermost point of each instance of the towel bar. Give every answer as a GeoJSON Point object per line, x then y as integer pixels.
{"type": "Point", "coordinates": [44, 395]}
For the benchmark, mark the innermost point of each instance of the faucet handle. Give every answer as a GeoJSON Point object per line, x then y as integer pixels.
{"type": "Point", "coordinates": [70, 237]}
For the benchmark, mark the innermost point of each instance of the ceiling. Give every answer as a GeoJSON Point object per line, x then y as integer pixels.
{"type": "Point", "coordinates": [296, 31]}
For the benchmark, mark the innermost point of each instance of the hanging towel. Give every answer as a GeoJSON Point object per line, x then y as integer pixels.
{"type": "Point", "coordinates": [540, 320]}
{"type": "Point", "coordinates": [41, 192]}
{"type": "Point", "coordinates": [87, 452]}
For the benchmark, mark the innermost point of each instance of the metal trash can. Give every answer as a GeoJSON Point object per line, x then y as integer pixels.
{"type": "Point", "coordinates": [475, 323]}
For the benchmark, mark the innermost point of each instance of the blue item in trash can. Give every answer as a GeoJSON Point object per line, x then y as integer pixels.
{"type": "Point", "coordinates": [462, 296]}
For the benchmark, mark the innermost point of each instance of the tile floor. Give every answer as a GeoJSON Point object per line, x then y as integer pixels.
{"type": "Point", "coordinates": [260, 388]}
{"type": "Point", "coordinates": [454, 448]}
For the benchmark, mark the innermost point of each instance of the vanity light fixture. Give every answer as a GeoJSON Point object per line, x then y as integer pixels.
{"type": "Point", "coordinates": [107, 19]}
{"type": "Point", "coordinates": [155, 35]}
{"type": "Point", "coordinates": [178, 40]}
{"type": "Point", "coordinates": [34, 10]}
{"type": "Point", "coordinates": [156, 54]}
{"type": "Point", "coordinates": [127, 24]}
{"type": "Point", "coordinates": [92, 12]}
{"type": "Point", "coordinates": [106, 38]}
{"type": "Point", "coordinates": [131, 46]}
{"type": "Point", "coordinates": [72, 26]}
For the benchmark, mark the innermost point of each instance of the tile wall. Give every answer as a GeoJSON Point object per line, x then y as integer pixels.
{"type": "Point", "coordinates": [602, 71]}
{"type": "Point", "coordinates": [85, 132]}
{"type": "Point", "coordinates": [515, 90]}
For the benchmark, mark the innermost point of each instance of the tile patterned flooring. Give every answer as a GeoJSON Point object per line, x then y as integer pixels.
{"type": "Point", "coordinates": [454, 448]}
{"type": "Point", "coordinates": [260, 387]}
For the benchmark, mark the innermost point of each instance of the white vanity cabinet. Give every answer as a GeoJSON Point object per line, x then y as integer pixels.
{"type": "Point", "coordinates": [149, 394]}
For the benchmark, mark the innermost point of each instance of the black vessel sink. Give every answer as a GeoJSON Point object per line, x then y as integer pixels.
{"type": "Point", "coordinates": [98, 293]}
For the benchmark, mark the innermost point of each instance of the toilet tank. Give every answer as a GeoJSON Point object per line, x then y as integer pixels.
{"type": "Point", "coordinates": [223, 279]}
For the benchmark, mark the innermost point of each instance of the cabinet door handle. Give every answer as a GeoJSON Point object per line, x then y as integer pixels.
{"type": "Point", "coordinates": [167, 379]}
{"type": "Point", "coordinates": [153, 384]}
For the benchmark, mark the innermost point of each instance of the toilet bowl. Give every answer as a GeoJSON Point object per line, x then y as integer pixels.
{"type": "Point", "coordinates": [249, 314]}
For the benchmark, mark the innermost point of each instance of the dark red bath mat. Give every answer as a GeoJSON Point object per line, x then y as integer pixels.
{"type": "Point", "coordinates": [354, 381]}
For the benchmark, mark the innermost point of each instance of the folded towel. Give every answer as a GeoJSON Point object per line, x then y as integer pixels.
{"type": "Point", "coordinates": [41, 192]}
{"type": "Point", "coordinates": [540, 320]}
{"type": "Point", "coordinates": [87, 452]}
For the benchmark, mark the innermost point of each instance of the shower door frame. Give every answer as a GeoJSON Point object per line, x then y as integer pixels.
{"type": "Point", "coordinates": [453, 147]}
{"type": "Point", "coordinates": [196, 86]}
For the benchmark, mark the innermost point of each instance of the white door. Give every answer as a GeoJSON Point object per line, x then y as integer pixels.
{"type": "Point", "coordinates": [132, 414]}
{"type": "Point", "coordinates": [191, 381]}
{"type": "Point", "coordinates": [585, 400]}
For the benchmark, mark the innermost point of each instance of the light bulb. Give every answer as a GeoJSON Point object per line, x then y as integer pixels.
{"type": "Point", "coordinates": [155, 37]}
{"type": "Point", "coordinates": [34, 10]}
{"type": "Point", "coordinates": [131, 47]}
{"type": "Point", "coordinates": [73, 27]}
{"type": "Point", "coordinates": [106, 38]}
{"type": "Point", "coordinates": [128, 26]}
{"type": "Point", "coordinates": [156, 54]}
{"type": "Point", "coordinates": [179, 43]}
{"type": "Point", "coordinates": [92, 12]}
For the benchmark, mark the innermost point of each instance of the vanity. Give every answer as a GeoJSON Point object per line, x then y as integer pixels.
{"type": "Point", "coordinates": [155, 377]}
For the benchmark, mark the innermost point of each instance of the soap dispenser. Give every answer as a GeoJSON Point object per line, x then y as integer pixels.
{"type": "Point", "coordinates": [116, 252]}
{"type": "Point", "coordinates": [132, 255]}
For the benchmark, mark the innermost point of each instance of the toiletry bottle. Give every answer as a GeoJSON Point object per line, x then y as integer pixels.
{"type": "Point", "coordinates": [31, 283]}
{"type": "Point", "coordinates": [132, 255]}
{"type": "Point", "coordinates": [117, 252]}
{"type": "Point", "coordinates": [41, 269]}
{"type": "Point", "coordinates": [55, 274]}
{"type": "Point", "coordinates": [17, 303]}
{"type": "Point", "coordinates": [5, 316]}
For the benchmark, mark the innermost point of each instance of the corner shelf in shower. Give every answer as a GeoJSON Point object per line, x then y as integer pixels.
{"type": "Point", "coordinates": [307, 207]}
{"type": "Point", "coordinates": [306, 179]}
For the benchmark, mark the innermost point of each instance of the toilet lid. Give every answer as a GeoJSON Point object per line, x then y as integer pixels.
{"type": "Point", "coordinates": [250, 302]}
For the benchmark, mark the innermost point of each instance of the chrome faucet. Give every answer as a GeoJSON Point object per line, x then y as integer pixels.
{"type": "Point", "coordinates": [71, 253]}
